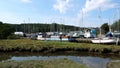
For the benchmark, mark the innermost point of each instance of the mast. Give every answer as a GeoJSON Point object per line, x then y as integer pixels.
{"type": "Point", "coordinates": [118, 19]}
{"type": "Point", "coordinates": [99, 16]}
{"type": "Point", "coordinates": [82, 22]}
{"type": "Point", "coordinates": [109, 26]}
{"type": "Point", "coordinates": [24, 25]}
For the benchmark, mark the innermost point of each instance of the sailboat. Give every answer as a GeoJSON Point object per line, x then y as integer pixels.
{"type": "Point", "coordinates": [106, 40]}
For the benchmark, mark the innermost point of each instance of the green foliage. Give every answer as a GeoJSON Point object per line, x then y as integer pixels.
{"type": "Point", "coordinates": [8, 29]}
{"type": "Point", "coordinates": [116, 26]}
{"type": "Point", "coordinates": [34, 28]}
{"type": "Point", "coordinates": [1, 22]}
{"type": "Point", "coordinates": [113, 64]}
{"type": "Point", "coordinates": [12, 36]}
{"type": "Point", "coordinates": [105, 28]}
{"type": "Point", "coordinates": [5, 30]}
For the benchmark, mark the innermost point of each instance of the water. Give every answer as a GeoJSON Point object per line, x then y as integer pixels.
{"type": "Point", "coordinates": [90, 60]}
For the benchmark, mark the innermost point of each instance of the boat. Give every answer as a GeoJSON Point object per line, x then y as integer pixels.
{"type": "Point", "coordinates": [52, 37]}
{"type": "Point", "coordinates": [41, 36]}
{"type": "Point", "coordinates": [108, 39]}
{"type": "Point", "coordinates": [104, 40]}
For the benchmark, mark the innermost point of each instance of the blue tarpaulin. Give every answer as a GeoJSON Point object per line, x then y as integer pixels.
{"type": "Point", "coordinates": [109, 34]}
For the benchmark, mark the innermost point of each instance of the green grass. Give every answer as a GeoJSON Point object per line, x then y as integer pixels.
{"type": "Point", "coordinates": [113, 64]}
{"type": "Point", "coordinates": [57, 63]}
{"type": "Point", "coordinates": [53, 46]}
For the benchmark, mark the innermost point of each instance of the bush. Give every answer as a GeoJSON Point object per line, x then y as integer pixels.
{"type": "Point", "coordinates": [13, 36]}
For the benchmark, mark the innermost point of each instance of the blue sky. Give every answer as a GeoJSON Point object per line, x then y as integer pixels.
{"type": "Point", "coordinates": [83, 13]}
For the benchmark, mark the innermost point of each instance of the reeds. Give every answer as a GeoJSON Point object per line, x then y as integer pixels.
{"type": "Point", "coordinates": [56, 63]}
{"type": "Point", "coordinates": [114, 64]}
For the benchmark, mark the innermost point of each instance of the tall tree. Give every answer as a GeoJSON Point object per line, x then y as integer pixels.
{"type": "Point", "coordinates": [105, 28]}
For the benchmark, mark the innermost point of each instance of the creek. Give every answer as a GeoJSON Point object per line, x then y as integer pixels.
{"type": "Point", "coordinates": [91, 60]}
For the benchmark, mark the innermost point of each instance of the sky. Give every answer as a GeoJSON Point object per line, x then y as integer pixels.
{"type": "Point", "coordinates": [82, 13]}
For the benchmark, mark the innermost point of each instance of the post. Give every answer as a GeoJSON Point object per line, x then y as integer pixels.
{"type": "Point", "coordinates": [117, 41]}
{"type": "Point", "coordinates": [61, 38]}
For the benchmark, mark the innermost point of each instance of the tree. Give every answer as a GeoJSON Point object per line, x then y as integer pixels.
{"type": "Point", "coordinates": [105, 28]}
{"type": "Point", "coordinates": [1, 22]}
{"type": "Point", "coordinates": [5, 30]}
{"type": "Point", "coordinates": [116, 26]}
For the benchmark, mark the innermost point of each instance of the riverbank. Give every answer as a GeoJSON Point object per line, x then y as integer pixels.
{"type": "Point", "coordinates": [23, 45]}
{"type": "Point", "coordinates": [114, 64]}
{"type": "Point", "coordinates": [57, 63]}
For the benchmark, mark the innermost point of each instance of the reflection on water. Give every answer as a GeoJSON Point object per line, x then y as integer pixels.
{"type": "Point", "coordinates": [92, 61]}
{"type": "Point", "coordinates": [95, 62]}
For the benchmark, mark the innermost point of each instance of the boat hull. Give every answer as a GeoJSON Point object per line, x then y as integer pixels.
{"type": "Point", "coordinates": [104, 41]}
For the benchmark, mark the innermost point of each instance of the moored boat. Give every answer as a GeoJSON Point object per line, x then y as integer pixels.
{"type": "Point", "coordinates": [104, 40]}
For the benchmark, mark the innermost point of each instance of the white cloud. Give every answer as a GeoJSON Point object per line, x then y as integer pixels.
{"type": "Point", "coordinates": [91, 5]}
{"type": "Point", "coordinates": [62, 5]}
{"type": "Point", "coordinates": [26, 1]}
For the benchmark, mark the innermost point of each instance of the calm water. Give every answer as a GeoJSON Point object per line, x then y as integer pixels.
{"type": "Point", "coordinates": [91, 60]}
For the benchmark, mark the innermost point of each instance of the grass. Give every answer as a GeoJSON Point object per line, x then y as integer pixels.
{"type": "Point", "coordinates": [57, 63]}
{"type": "Point", "coordinates": [52, 46]}
{"type": "Point", "coordinates": [113, 64]}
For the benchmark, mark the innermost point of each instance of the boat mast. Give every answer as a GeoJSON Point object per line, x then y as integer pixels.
{"type": "Point", "coordinates": [82, 27]}
{"type": "Point", "coordinates": [82, 22]}
{"type": "Point", "coordinates": [118, 19]}
{"type": "Point", "coordinates": [109, 26]}
{"type": "Point", "coordinates": [99, 16]}
{"type": "Point", "coordinates": [24, 25]}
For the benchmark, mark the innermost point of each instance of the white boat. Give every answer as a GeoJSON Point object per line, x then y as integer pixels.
{"type": "Point", "coordinates": [107, 40]}
{"type": "Point", "coordinates": [104, 40]}
{"type": "Point", "coordinates": [51, 38]}
{"type": "Point", "coordinates": [40, 37]}
{"type": "Point", "coordinates": [57, 38]}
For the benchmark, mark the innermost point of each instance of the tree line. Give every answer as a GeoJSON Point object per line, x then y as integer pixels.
{"type": "Point", "coordinates": [35, 28]}
{"type": "Point", "coordinates": [115, 27]}
{"type": "Point", "coordinates": [5, 30]}
{"type": "Point", "coordinates": [8, 29]}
